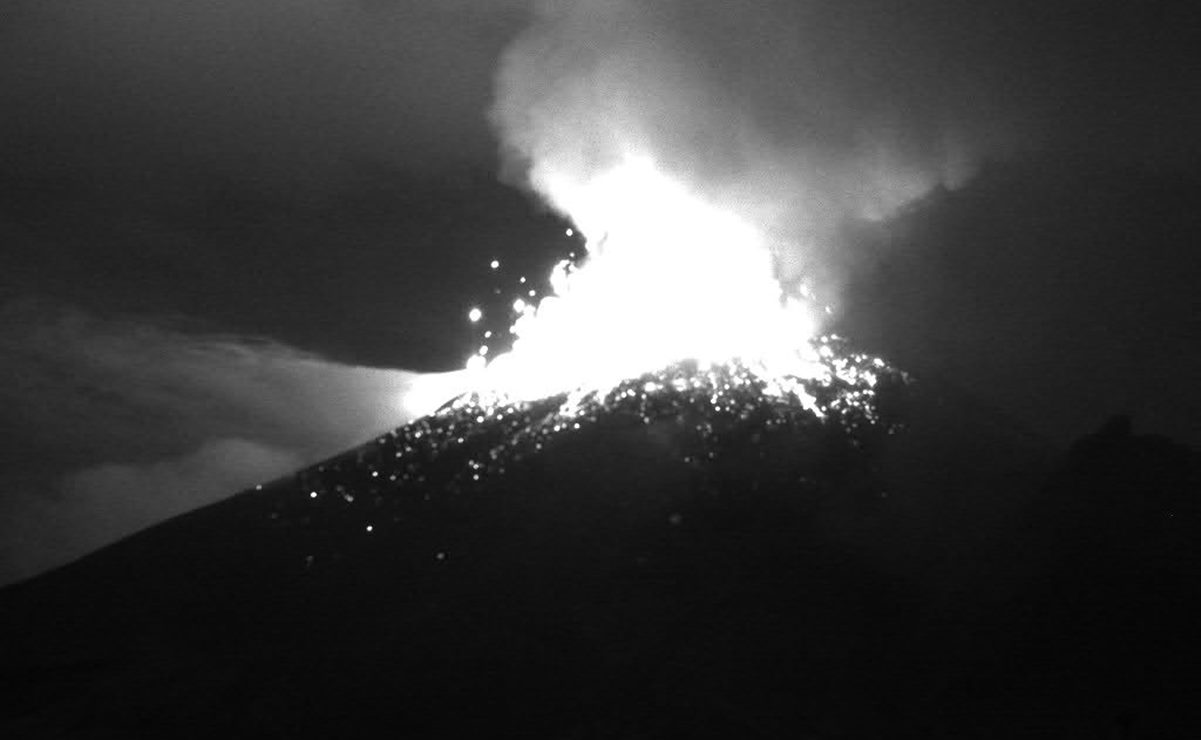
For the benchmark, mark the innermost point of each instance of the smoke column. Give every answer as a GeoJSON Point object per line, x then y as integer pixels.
{"type": "Point", "coordinates": [794, 115]}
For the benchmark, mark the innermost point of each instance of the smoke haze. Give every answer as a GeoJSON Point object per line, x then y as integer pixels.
{"type": "Point", "coordinates": [114, 425]}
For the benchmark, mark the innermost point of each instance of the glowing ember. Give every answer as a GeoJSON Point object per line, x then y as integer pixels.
{"type": "Point", "coordinates": [668, 278]}
{"type": "Point", "coordinates": [675, 323]}
{"type": "Point", "coordinates": [708, 419]}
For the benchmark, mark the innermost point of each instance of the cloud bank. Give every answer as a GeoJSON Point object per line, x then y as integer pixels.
{"type": "Point", "coordinates": [113, 425]}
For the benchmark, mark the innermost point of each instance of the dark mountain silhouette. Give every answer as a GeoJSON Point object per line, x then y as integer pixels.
{"type": "Point", "coordinates": [688, 555]}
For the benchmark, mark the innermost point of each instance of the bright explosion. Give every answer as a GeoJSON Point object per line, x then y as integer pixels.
{"type": "Point", "coordinates": [668, 278]}
{"type": "Point", "coordinates": [675, 319]}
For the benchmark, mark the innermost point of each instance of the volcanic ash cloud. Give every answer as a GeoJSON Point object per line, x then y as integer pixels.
{"type": "Point", "coordinates": [793, 116]}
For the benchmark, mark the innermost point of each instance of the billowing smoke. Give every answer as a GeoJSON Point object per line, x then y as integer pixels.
{"type": "Point", "coordinates": [794, 115]}
{"type": "Point", "coordinates": [802, 114]}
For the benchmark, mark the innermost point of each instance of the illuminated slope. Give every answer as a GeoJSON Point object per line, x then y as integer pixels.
{"type": "Point", "coordinates": [388, 588]}
{"type": "Point", "coordinates": [699, 558]}
{"type": "Point", "coordinates": [716, 416]}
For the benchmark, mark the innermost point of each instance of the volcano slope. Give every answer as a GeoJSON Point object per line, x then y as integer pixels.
{"type": "Point", "coordinates": [686, 555]}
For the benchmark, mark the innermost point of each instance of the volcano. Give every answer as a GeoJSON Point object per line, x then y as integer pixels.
{"type": "Point", "coordinates": [690, 553]}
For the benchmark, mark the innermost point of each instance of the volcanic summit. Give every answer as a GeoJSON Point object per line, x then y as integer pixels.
{"type": "Point", "coordinates": [689, 553]}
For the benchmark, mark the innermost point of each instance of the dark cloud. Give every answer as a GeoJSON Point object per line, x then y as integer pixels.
{"type": "Point", "coordinates": [1059, 294]}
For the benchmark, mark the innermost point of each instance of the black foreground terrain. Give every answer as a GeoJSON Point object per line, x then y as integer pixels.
{"type": "Point", "coordinates": [697, 559]}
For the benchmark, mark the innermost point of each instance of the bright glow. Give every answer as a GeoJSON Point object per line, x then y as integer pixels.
{"type": "Point", "coordinates": [494, 264]}
{"type": "Point", "coordinates": [475, 315]}
{"type": "Point", "coordinates": [430, 390]}
{"type": "Point", "coordinates": [668, 277]}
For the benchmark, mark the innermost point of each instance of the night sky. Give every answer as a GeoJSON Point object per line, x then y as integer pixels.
{"type": "Point", "coordinates": [228, 227]}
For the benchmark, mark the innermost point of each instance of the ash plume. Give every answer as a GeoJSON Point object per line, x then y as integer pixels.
{"type": "Point", "coordinates": [801, 115]}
